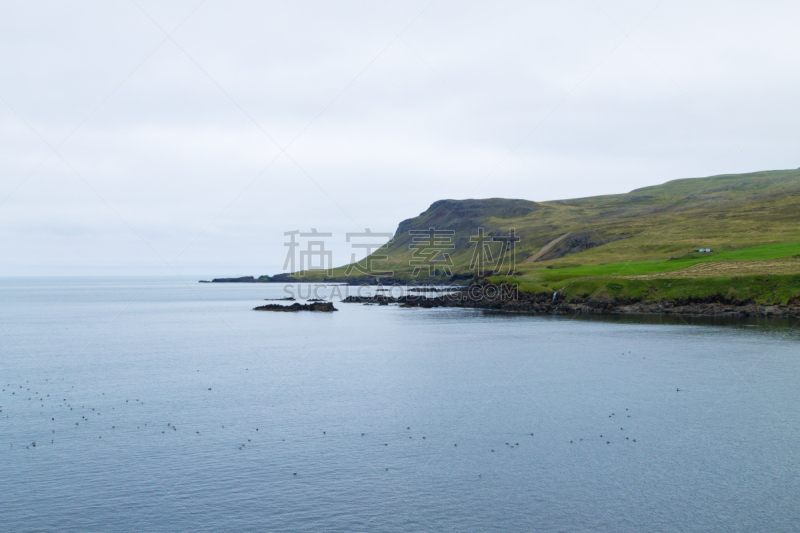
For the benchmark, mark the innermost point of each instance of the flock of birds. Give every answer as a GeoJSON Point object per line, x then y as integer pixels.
{"type": "Point", "coordinates": [63, 409]}
{"type": "Point", "coordinates": [60, 409]}
{"type": "Point", "coordinates": [621, 429]}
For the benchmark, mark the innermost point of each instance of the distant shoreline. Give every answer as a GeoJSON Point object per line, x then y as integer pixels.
{"type": "Point", "coordinates": [281, 278]}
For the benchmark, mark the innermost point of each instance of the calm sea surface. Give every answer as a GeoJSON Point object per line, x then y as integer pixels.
{"type": "Point", "coordinates": [171, 406]}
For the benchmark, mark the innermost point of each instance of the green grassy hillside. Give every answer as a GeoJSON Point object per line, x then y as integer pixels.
{"type": "Point", "coordinates": [648, 232]}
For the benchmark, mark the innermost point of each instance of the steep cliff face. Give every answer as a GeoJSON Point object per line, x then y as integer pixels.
{"type": "Point", "coordinates": [464, 217]}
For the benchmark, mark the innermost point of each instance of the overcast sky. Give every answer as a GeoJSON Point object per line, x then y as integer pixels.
{"type": "Point", "coordinates": [139, 134]}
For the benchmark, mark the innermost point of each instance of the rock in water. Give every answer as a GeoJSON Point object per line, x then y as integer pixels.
{"type": "Point", "coordinates": [315, 306]}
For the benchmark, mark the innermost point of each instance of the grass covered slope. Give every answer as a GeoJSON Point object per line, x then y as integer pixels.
{"type": "Point", "coordinates": [751, 222]}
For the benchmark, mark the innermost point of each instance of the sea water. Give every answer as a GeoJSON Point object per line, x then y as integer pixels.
{"type": "Point", "coordinates": [168, 405]}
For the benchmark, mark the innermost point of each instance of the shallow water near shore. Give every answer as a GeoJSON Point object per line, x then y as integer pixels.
{"type": "Point", "coordinates": [164, 405]}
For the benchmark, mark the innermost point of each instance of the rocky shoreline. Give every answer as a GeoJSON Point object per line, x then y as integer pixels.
{"type": "Point", "coordinates": [546, 304]}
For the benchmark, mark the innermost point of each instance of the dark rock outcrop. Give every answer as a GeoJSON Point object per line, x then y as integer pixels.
{"type": "Point", "coordinates": [576, 243]}
{"type": "Point", "coordinates": [325, 307]}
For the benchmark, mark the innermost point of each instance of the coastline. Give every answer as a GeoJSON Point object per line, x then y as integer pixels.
{"type": "Point", "coordinates": [546, 304]}
{"type": "Point", "coordinates": [693, 297]}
